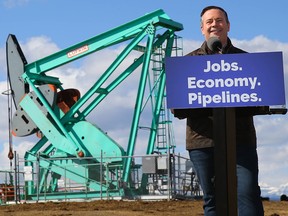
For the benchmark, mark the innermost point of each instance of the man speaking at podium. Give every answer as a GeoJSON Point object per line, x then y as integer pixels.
{"type": "Point", "coordinates": [215, 26]}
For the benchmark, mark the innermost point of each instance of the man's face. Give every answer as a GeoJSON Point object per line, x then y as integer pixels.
{"type": "Point", "coordinates": [214, 23]}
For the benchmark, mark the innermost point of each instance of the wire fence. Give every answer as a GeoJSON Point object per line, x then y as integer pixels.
{"type": "Point", "coordinates": [63, 179]}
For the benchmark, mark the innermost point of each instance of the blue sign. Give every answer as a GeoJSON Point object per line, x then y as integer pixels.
{"type": "Point", "coordinates": [230, 80]}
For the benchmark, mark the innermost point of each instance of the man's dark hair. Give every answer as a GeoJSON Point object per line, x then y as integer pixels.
{"type": "Point", "coordinates": [215, 7]}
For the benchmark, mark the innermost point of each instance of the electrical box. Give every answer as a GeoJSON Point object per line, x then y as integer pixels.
{"type": "Point", "coordinates": [162, 163]}
{"type": "Point", "coordinates": [149, 165]}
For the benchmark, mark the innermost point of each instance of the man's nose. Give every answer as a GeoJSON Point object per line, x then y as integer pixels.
{"type": "Point", "coordinates": [214, 22]}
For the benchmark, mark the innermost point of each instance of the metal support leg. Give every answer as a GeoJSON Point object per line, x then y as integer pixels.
{"type": "Point", "coordinates": [225, 161]}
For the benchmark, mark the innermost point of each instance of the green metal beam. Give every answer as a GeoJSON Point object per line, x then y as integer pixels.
{"type": "Point", "coordinates": [138, 105]}
{"type": "Point", "coordinates": [109, 38]}
{"type": "Point", "coordinates": [103, 78]}
{"type": "Point", "coordinates": [67, 168]}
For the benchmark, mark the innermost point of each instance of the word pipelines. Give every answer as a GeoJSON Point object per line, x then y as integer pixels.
{"type": "Point", "coordinates": [224, 97]}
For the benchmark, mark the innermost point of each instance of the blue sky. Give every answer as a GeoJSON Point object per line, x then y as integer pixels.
{"type": "Point", "coordinates": [46, 26]}
{"type": "Point", "coordinates": [66, 22]}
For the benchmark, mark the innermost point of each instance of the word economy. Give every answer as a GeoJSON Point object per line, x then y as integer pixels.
{"type": "Point", "coordinates": [224, 96]}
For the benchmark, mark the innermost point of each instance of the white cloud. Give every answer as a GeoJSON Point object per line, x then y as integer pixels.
{"type": "Point", "coordinates": [261, 44]}
{"type": "Point", "coordinates": [14, 3]}
{"type": "Point", "coordinates": [3, 113]}
{"type": "Point", "coordinates": [115, 114]}
{"type": "Point", "coordinates": [38, 47]}
{"type": "Point", "coordinates": [189, 45]}
{"type": "Point", "coordinates": [2, 61]}
{"type": "Point", "coordinates": [20, 148]}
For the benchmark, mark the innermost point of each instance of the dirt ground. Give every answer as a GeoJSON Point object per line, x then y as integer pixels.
{"type": "Point", "coordinates": [124, 208]}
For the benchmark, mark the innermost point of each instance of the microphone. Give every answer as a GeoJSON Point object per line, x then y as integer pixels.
{"type": "Point", "coordinates": [214, 44]}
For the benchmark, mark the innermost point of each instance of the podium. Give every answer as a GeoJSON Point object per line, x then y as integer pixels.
{"type": "Point", "coordinates": [225, 86]}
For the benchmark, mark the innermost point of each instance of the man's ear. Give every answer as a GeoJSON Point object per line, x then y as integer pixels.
{"type": "Point", "coordinates": [201, 29]}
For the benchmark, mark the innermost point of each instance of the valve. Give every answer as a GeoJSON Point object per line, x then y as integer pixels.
{"type": "Point", "coordinates": [80, 154]}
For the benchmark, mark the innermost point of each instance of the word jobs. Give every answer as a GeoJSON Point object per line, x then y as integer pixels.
{"type": "Point", "coordinates": [223, 66]}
